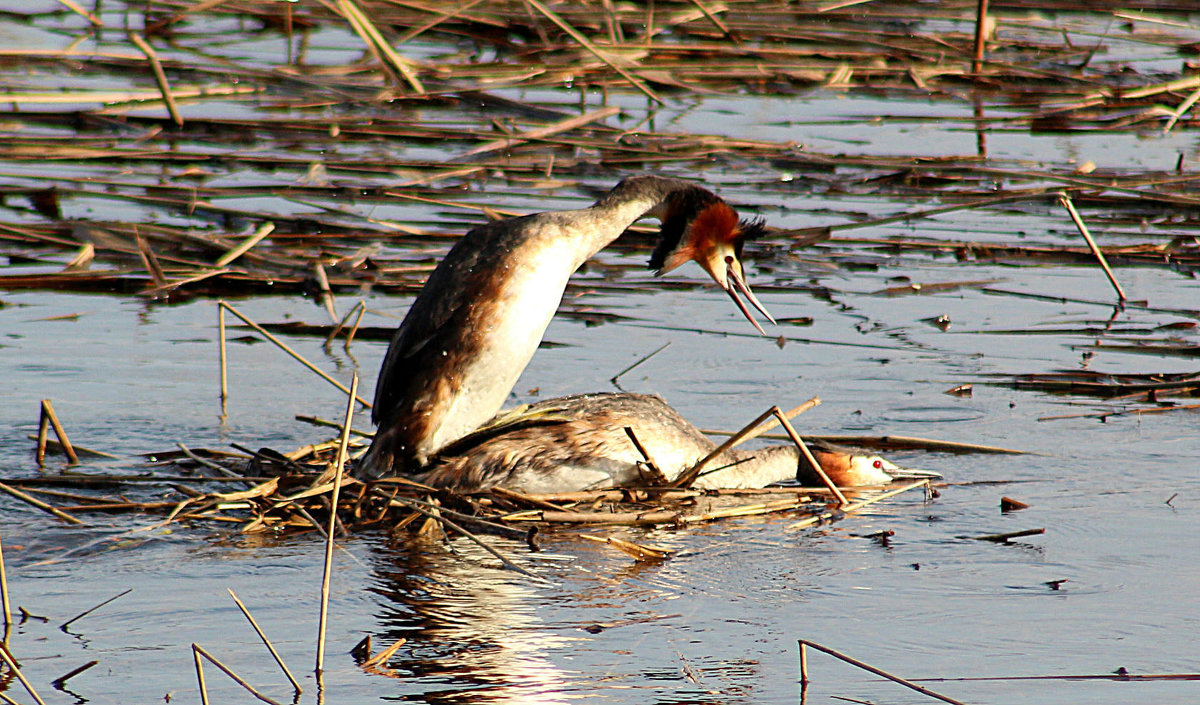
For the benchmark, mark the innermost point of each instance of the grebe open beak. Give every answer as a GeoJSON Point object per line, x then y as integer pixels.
{"type": "Point", "coordinates": [726, 270]}
{"type": "Point", "coordinates": [734, 268]}
{"type": "Point", "coordinates": [711, 236]}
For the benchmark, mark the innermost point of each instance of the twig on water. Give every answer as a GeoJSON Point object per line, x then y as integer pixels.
{"type": "Point", "coordinates": [543, 132]}
{"type": "Point", "coordinates": [1003, 538]}
{"type": "Point", "coordinates": [199, 651]}
{"type": "Point", "coordinates": [159, 76]}
{"type": "Point", "coordinates": [854, 506]}
{"type": "Point", "coordinates": [618, 375]}
{"type": "Point", "coordinates": [152, 266]}
{"type": "Point", "coordinates": [61, 681]}
{"type": "Point", "coordinates": [244, 247]}
{"type": "Point", "coordinates": [78, 9]}
{"type": "Point", "coordinates": [85, 613]}
{"type": "Point", "coordinates": [338, 465]}
{"type": "Point", "coordinates": [206, 462]}
{"type": "Point", "coordinates": [866, 667]}
{"type": "Point", "coordinates": [340, 325]}
{"type": "Point", "coordinates": [265, 641]}
{"type": "Point", "coordinates": [48, 414]}
{"type": "Point", "coordinates": [1183, 108]}
{"type": "Point", "coordinates": [39, 504]}
{"type": "Point", "coordinates": [325, 293]}
{"type": "Point", "coordinates": [362, 309]}
{"type": "Point", "coordinates": [1065, 200]}
{"type": "Point", "coordinates": [381, 657]}
{"type": "Point", "coordinates": [297, 356]}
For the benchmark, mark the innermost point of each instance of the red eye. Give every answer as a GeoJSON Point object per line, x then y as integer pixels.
{"type": "Point", "coordinates": [878, 464]}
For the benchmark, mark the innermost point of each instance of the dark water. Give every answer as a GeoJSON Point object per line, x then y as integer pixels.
{"type": "Point", "coordinates": [719, 621]}
{"type": "Point", "coordinates": [732, 603]}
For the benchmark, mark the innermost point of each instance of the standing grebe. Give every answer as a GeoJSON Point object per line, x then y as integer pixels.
{"type": "Point", "coordinates": [482, 313]}
{"type": "Point", "coordinates": [579, 443]}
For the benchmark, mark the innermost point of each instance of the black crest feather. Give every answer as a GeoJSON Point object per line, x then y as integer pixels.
{"type": "Point", "coordinates": [682, 207]}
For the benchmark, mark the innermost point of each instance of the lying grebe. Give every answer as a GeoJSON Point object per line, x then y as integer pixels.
{"type": "Point", "coordinates": [483, 311]}
{"type": "Point", "coordinates": [579, 443]}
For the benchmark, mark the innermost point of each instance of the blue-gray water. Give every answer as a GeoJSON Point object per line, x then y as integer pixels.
{"type": "Point", "coordinates": [128, 377]}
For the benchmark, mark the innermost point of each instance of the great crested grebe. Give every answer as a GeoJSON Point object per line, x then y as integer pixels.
{"type": "Point", "coordinates": [579, 442]}
{"type": "Point", "coordinates": [482, 313]}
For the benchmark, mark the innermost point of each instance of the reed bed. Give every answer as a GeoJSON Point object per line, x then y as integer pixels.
{"type": "Point", "coordinates": [259, 172]}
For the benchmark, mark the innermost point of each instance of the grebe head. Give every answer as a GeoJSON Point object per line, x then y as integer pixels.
{"type": "Point", "coordinates": [699, 226]}
{"type": "Point", "coordinates": [848, 467]}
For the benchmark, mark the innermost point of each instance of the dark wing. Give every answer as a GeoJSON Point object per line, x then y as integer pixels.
{"type": "Point", "coordinates": [436, 321]}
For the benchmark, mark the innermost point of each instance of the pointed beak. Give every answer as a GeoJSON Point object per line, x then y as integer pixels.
{"type": "Point", "coordinates": [915, 474]}
{"type": "Point", "coordinates": [727, 272]}
{"type": "Point", "coordinates": [735, 274]}
{"type": "Point", "coordinates": [902, 473]}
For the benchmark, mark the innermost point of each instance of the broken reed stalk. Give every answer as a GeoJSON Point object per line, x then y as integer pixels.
{"type": "Point", "coordinates": [1183, 108]}
{"type": "Point", "coordinates": [159, 76]}
{"type": "Point", "coordinates": [791, 432]}
{"type": "Point", "coordinates": [78, 9]}
{"type": "Point", "coordinates": [981, 21]}
{"type": "Point", "coordinates": [341, 324]}
{"type": "Point", "coordinates": [339, 463]}
{"type": "Point", "coordinates": [295, 355]}
{"type": "Point", "coordinates": [48, 413]}
{"type": "Point", "coordinates": [43, 429]}
{"type": "Point", "coordinates": [583, 42]}
{"type": "Point", "coordinates": [866, 667]}
{"type": "Point", "coordinates": [266, 229]}
{"type": "Point", "coordinates": [151, 262]}
{"type": "Point", "coordinates": [1065, 200]}
{"type": "Point", "coordinates": [265, 641]}
{"type": "Point", "coordinates": [200, 675]}
{"type": "Point", "coordinates": [854, 506]}
{"type": "Point", "coordinates": [772, 423]}
{"type": "Point", "coordinates": [326, 293]}
{"type": "Point", "coordinates": [199, 651]}
{"type": "Point", "coordinates": [362, 309]}
{"type": "Point", "coordinates": [39, 504]}
{"type": "Point", "coordinates": [221, 345]}
{"type": "Point", "coordinates": [544, 132]}
{"type": "Point", "coordinates": [4, 596]}
{"type": "Point", "coordinates": [378, 44]}
{"type": "Point", "coordinates": [748, 431]}
{"type": "Point", "coordinates": [16, 670]}
{"type": "Point", "coordinates": [206, 462]}
{"type": "Point", "coordinates": [384, 655]}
